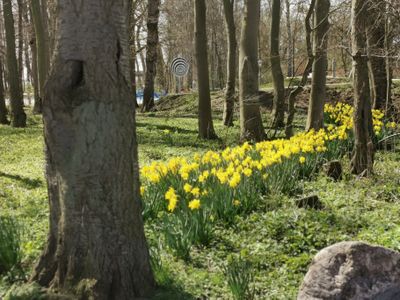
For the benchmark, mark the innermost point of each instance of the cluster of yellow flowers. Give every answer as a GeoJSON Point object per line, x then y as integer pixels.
{"type": "Point", "coordinates": [192, 180]}
{"type": "Point", "coordinates": [342, 115]}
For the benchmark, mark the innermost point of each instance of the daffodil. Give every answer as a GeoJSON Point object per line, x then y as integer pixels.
{"type": "Point", "coordinates": [194, 204]}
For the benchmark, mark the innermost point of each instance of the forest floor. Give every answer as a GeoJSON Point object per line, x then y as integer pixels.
{"type": "Point", "coordinates": [280, 238]}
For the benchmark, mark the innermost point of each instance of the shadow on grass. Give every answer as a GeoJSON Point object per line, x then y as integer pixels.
{"type": "Point", "coordinates": [166, 127]}
{"type": "Point", "coordinates": [27, 182]}
{"type": "Point", "coordinates": [172, 292]}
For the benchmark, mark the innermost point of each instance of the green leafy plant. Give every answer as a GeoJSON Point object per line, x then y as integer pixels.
{"type": "Point", "coordinates": [239, 275]}
{"type": "Point", "coordinates": [10, 247]}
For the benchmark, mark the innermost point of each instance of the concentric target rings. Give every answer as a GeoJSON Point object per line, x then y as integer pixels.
{"type": "Point", "coordinates": [179, 67]}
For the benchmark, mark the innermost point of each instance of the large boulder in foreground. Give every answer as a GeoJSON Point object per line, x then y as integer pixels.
{"type": "Point", "coordinates": [353, 271]}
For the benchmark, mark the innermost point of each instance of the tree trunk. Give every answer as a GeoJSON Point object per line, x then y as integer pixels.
{"type": "Point", "coordinates": [20, 43]}
{"type": "Point", "coordinates": [141, 56]}
{"type": "Point", "coordinates": [229, 104]}
{"type": "Point", "coordinates": [132, 6]}
{"type": "Point", "coordinates": [277, 75]}
{"type": "Point", "coordinates": [294, 93]}
{"type": "Point", "coordinates": [376, 47]}
{"type": "Point", "coordinates": [37, 106]}
{"type": "Point", "coordinates": [363, 154]}
{"type": "Point", "coordinates": [251, 127]}
{"type": "Point", "coordinates": [42, 49]}
{"type": "Point", "coordinates": [18, 116]}
{"type": "Point", "coordinates": [315, 118]}
{"type": "Point", "coordinates": [290, 56]}
{"type": "Point", "coordinates": [153, 13]}
{"type": "Point", "coordinates": [3, 108]}
{"type": "Point", "coordinates": [161, 77]}
{"type": "Point", "coordinates": [96, 246]}
{"type": "Point", "coordinates": [206, 127]}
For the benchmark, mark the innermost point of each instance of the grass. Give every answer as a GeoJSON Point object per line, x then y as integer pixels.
{"type": "Point", "coordinates": [279, 238]}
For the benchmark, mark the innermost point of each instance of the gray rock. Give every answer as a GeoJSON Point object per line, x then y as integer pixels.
{"type": "Point", "coordinates": [353, 271]}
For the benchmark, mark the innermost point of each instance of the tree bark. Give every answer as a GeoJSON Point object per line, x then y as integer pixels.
{"type": "Point", "coordinates": [251, 127]}
{"type": "Point", "coordinates": [376, 47]}
{"type": "Point", "coordinates": [277, 75]}
{"type": "Point", "coordinates": [229, 104]}
{"type": "Point", "coordinates": [20, 26]}
{"type": "Point", "coordinates": [37, 106]}
{"type": "Point", "coordinates": [206, 127]}
{"type": "Point", "coordinates": [96, 246]}
{"type": "Point", "coordinates": [161, 77]}
{"type": "Point", "coordinates": [132, 6]}
{"type": "Point", "coordinates": [153, 13]}
{"type": "Point", "coordinates": [140, 51]}
{"type": "Point", "coordinates": [42, 51]}
{"type": "Point", "coordinates": [18, 116]}
{"type": "Point", "coordinates": [290, 56]}
{"type": "Point", "coordinates": [3, 108]}
{"type": "Point", "coordinates": [363, 154]}
{"type": "Point", "coordinates": [315, 119]}
{"type": "Point", "coordinates": [294, 93]}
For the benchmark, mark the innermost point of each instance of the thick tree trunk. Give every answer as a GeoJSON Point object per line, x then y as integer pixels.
{"type": "Point", "coordinates": [153, 13]}
{"type": "Point", "coordinates": [18, 116]}
{"type": "Point", "coordinates": [363, 154]}
{"type": "Point", "coordinates": [206, 127]}
{"type": "Point", "coordinates": [3, 108]}
{"type": "Point", "coordinates": [229, 104]}
{"type": "Point", "coordinates": [276, 69]}
{"type": "Point", "coordinates": [42, 50]}
{"type": "Point", "coordinates": [251, 127]}
{"type": "Point", "coordinates": [315, 118]}
{"type": "Point", "coordinates": [96, 245]}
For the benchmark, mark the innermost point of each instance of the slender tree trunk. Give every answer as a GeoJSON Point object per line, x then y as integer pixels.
{"type": "Point", "coordinates": [96, 245]}
{"type": "Point", "coordinates": [21, 43]}
{"type": "Point", "coordinates": [18, 116]}
{"type": "Point", "coordinates": [153, 13]}
{"type": "Point", "coordinates": [141, 56]}
{"type": "Point", "coordinates": [42, 49]}
{"type": "Point", "coordinates": [277, 75]}
{"type": "Point", "coordinates": [363, 154]}
{"type": "Point", "coordinates": [3, 108]}
{"type": "Point", "coordinates": [315, 118]}
{"type": "Point", "coordinates": [206, 127]}
{"type": "Point", "coordinates": [294, 93]}
{"type": "Point", "coordinates": [229, 104]}
{"type": "Point", "coordinates": [251, 127]}
{"type": "Point", "coordinates": [132, 6]}
{"type": "Point", "coordinates": [37, 106]}
{"type": "Point", "coordinates": [376, 48]}
{"type": "Point", "coordinates": [27, 56]}
{"type": "Point", "coordinates": [290, 56]}
{"type": "Point", "coordinates": [220, 71]}
{"type": "Point", "coordinates": [389, 109]}
{"type": "Point", "coordinates": [161, 67]}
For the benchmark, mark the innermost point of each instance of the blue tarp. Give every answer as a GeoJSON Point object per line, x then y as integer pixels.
{"type": "Point", "coordinates": [157, 95]}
